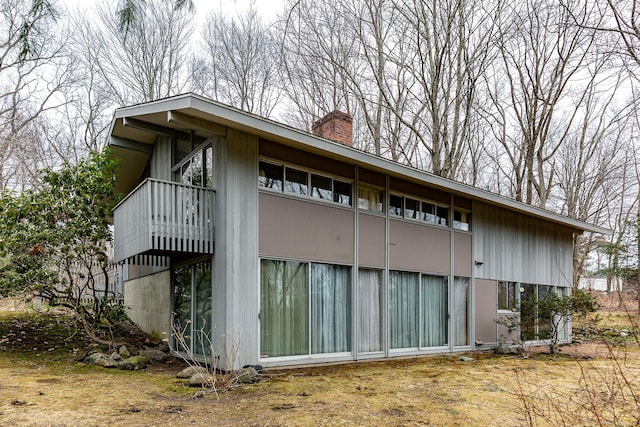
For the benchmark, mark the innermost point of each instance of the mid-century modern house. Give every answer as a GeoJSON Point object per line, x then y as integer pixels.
{"type": "Point", "coordinates": [280, 247]}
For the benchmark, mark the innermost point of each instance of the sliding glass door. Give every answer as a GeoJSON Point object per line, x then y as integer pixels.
{"type": "Point", "coordinates": [369, 317]}
{"type": "Point", "coordinates": [435, 309]}
{"type": "Point", "coordinates": [305, 308]}
{"type": "Point", "coordinates": [192, 308]}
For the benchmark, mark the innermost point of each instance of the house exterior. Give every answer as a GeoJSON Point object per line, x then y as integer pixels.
{"type": "Point", "coordinates": [276, 246]}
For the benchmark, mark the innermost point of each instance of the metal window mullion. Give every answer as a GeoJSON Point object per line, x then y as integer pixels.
{"type": "Point", "coordinates": [309, 328]}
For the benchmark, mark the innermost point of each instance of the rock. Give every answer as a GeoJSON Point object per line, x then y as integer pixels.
{"type": "Point", "coordinates": [81, 356]}
{"type": "Point", "coordinates": [154, 355]}
{"type": "Point", "coordinates": [189, 371]}
{"type": "Point", "coordinates": [124, 352]}
{"type": "Point", "coordinates": [163, 347]}
{"type": "Point", "coordinates": [116, 356]}
{"type": "Point", "coordinates": [624, 333]}
{"type": "Point", "coordinates": [133, 362]}
{"type": "Point", "coordinates": [93, 358]}
{"type": "Point", "coordinates": [256, 367]}
{"type": "Point", "coordinates": [467, 359]}
{"type": "Point", "coordinates": [106, 362]}
{"type": "Point", "coordinates": [246, 375]}
{"type": "Point", "coordinates": [201, 379]}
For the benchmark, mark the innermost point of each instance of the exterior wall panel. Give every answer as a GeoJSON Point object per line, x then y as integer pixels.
{"type": "Point", "coordinates": [305, 230]}
{"type": "Point", "coordinates": [160, 166]}
{"type": "Point", "coordinates": [236, 273]}
{"type": "Point", "coordinates": [520, 249]}
{"type": "Point", "coordinates": [419, 248]}
{"type": "Point", "coordinates": [462, 254]}
{"type": "Point", "coordinates": [148, 303]}
{"type": "Point", "coordinates": [371, 241]}
{"type": "Point", "coordinates": [486, 306]}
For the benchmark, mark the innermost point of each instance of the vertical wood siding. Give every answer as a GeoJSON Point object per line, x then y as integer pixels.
{"type": "Point", "coordinates": [162, 216]}
{"type": "Point", "coordinates": [517, 248]}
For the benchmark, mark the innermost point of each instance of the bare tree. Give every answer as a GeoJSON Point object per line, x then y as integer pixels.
{"type": "Point", "coordinates": [240, 66]}
{"type": "Point", "coordinates": [451, 47]}
{"type": "Point", "coordinates": [318, 58]}
{"type": "Point", "coordinates": [33, 72]}
{"type": "Point", "coordinates": [543, 54]}
{"type": "Point", "coordinates": [145, 62]}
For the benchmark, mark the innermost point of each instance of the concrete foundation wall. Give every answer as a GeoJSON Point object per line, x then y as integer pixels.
{"type": "Point", "coordinates": [148, 303]}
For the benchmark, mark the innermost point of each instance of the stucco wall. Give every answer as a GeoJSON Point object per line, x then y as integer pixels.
{"type": "Point", "coordinates": [148, 302]}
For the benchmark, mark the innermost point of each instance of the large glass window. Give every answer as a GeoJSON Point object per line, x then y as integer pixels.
{"type": "Point", "coordinates": [418, 302]}
{"type": "Point", "coordinates": [435, 310]}
{"type": "Point", "coordinates": [403, 309]}
{"type": "Point", "coordinates": [197, 169]}
{"type": "Point", "coordinates": [370, 310]}
{"type": "Point", "coordinates": [528, 305]}
{"type": "Point", "coordinates": [330, 308]}
{"type": "Point", "coordinates": [284, 305]}
{"type": "Point", "coordinates": [461, 310]}
{"type": "Point", "coordinates": [192, 308]}
{"type": "Point", "coordinates": [304, 308]}
{"type": "Point", "coordinates": [507, 296]}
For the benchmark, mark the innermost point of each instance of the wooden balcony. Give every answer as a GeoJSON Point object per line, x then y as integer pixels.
{"type": "Point", "coordinates": [164, 218]}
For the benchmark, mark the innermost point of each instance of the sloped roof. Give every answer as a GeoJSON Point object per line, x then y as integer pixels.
{"type": "Point", "coordinates": [134, 129]}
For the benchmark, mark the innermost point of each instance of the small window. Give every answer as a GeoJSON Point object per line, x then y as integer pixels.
{"type": "Point", "coordinates": [395, 205]}
{"type": "Point", "coordinates": [461, 220]}
{"type": "Point", "coordinates": [411, 208]}
{"type": "Point", "coordinates": [321, 187]}
{"type": "Point", "coordinates": [370, 199]}
{"type": "Point", "coordinates": [270, 176]}
{"type": "Point", "coordinates": [208, 164]}
{"type": "Point", "coordinates": [296, 182]}
{"type": "Point", "coordinates": [342, 192]}
{"type": "Point", "coordinates": [442, 215]}
{"type": "Point", "coordinates": [507, 296]}
{"type": "Point", "coordinates": [429, 212]}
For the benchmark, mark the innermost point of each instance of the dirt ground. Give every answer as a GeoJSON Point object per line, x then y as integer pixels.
{"type": "Point", "coordinates": [42, 385]}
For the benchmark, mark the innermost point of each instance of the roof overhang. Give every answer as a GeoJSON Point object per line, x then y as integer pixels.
{"type": "Point", "coordinates": [134, 130]}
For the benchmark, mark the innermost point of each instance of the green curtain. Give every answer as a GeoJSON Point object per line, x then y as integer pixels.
{"type": "Point", "coordinates": [403, 309]}
{"type": "Point", "coordinates": [284, 325]}
{"type": "Point", "coordinates": [435, 310]}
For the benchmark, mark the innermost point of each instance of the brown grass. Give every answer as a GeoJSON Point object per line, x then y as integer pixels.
{"type": "Point", "coordinates": [40, 389]}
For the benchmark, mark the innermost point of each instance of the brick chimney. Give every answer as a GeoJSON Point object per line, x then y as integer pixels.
{"type": "Point", "coordinates": [336, 126]}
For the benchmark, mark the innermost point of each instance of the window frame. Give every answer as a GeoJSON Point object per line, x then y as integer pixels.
{"type": "Point", "coordinates": [419, 215]}
{"type": "Point", "coordinates": [199, 153]}
{"type": "Point", "coordinates": [380, 209]}
{"type": "Point", "coordinates": [310, 174]}
{"type": "Point", "coordinates": [311, 326]}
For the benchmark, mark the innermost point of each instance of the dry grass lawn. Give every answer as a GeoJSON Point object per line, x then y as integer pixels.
{"type": "Point", "coordinates": [45, 387]}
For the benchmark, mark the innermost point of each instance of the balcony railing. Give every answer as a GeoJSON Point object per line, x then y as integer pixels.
{"type": "Point", "coordinates": [164, 218]}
